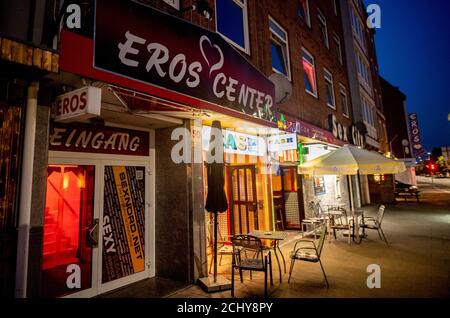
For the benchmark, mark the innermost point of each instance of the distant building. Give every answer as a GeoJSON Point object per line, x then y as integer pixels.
{"type": "Point", "coordinates": [394, 103]}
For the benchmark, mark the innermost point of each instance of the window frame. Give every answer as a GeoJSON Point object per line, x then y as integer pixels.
{"type": "Point", "coordinates": [323, 22]}
{"type": "Point", "coordinates": [337, 42]}
{"type": "Point", "coordinates": [307, 13]}
{"type": "Point", "coordinates": [243, 4]}
{"type": "Point", "coordinates": [343, 92]}
{"type": "Point", "coordinates": [275, 37]}
{"type": "Point", "coordinates": [331, 83]}
{"type": "Point", "coordinates": [316, 93]}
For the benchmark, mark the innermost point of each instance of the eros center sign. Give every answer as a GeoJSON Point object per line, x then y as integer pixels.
{"type": "Point", "coordinates": [79, 104]}
{"type": "Point", "coordinates": [144, 44]}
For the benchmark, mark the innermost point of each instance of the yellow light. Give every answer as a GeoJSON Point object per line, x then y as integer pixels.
{"type": "Point", "coordinates": [66, 181]}
{"type": "Point", "coordinates": [81, 181]}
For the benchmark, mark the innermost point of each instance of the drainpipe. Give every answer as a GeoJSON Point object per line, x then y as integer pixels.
{"type": "Point", "coordinates": [25, 191]}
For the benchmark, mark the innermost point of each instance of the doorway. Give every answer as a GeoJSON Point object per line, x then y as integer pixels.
{"type": "Point", "coordinates": [98, 225]}
{"type": "Point", "coordinates": [243, 199]}
{"type": "Point", "coordinates": [288, 198]}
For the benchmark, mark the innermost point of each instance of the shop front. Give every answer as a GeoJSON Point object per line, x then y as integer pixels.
{"type": "Point", "coordinates": [298, 191]}
{"type": "Point", "coordinates": [98, 216]}
{"type": "Point", "coordinates": [119, 205]}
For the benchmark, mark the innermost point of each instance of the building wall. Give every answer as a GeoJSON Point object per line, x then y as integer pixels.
{"type": "Point", "coordinates": [394, 103]}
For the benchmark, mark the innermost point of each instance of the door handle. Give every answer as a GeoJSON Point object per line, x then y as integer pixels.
{"type": "Point", "coordinates": [93, 233]}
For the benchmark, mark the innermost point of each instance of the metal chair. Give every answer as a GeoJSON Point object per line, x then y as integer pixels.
{"type": "Point", "coordinates": [260, 260]}
{"type": "Point", "coordinates": [309, 254]}
{"type": "Point", "coordinates": [375, 223]}
{"type": "Point", "coordinates": [314, 221]}
{"type": "Point", "coordinates": [339, 220]}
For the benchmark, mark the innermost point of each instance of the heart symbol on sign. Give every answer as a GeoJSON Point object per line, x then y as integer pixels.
{"type": "Point", "coordinates": [217, 65]}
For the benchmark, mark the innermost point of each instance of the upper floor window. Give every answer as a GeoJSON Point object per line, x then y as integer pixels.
{"type": "Point", "coordinates": [303, 11]}
{"type": "Point", "coordinates": [232, 22]}
{"type": "Point", "coordinates": [337, 42]}
{"type": "Point", "coordinates": [309, 70]}
{"type": "Point", "coordinates": [329, 89]}
{"type": "Point", "coordinates": [344, 100]}
{"type": "Point", "coordinates": [279, 48]}
{"type": "Point", "coordinates": [334, 5]}
{"type": "Point", "coordinates": [323, 28]}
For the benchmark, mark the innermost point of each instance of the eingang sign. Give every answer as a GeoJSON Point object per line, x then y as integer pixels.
{"type": "Point", "coordinates": [147, 45]}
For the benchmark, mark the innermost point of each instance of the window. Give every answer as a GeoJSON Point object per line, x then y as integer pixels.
{"type": "Point", "coordinates": [363, 70]}
{"type": "Point", "coordinates": [232, 22]}
{"type": "Point", "coordinates": [344, 100]}
{"type": "Point", "coordinates": [303, 11]}
{"type": "Point", "coordinates": [323, 28]}
{"type": "Point", "coordinates": [279, 49]}
{"type": "Point", "coordinates": [329, 89]}
{"type": "Point", "coordinates": [337, 41]}
{"type": "Point", "coordinates": [310, 73]}
{"type": "Point", "coordinates": [333, 4]}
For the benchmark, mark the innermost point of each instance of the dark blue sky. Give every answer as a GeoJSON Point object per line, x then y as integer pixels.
{"type": "Point", "coordinates": [413, 48]}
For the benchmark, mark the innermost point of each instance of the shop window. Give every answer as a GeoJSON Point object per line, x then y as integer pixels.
{"type": "Point", "coordinates": [303, 12]}
{"type": "Point", "coordinates": [67, 217]}
{"type": "Point", "coordinates": [329, 89]}
{"type": "Point", "coordinates": [279, 49]}
{"type": "Point", "coordinates": [344, 100]}
{"type": "Point", "coordinates": [232, 22]}
{"type": "Point", "coordinates": [309, 70]}
{"type": "Point", "coordinates": [323, 29]}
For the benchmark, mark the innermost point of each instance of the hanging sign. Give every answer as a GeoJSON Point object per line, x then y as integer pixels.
{"type": "Point", "coordinates": [414, 133]}
{"type": "Point", "coordinates": [79, 104]}
{"type": "Point", "coordinates": [144, 44]}
{"type": "Point", "coordinates": [236, 143]}
{"type": "Point", "coordinates": [282, 142]}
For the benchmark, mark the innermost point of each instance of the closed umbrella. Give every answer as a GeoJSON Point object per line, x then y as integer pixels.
{"type": "Point", "coordinates": [216, 200]}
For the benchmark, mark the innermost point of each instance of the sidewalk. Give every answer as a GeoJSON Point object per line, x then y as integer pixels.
{"type": "Point", "coordinates": [415, 263]}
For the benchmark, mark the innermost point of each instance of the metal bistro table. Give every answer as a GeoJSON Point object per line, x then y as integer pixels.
{"type": "Point", "coordinates": [274, 236]}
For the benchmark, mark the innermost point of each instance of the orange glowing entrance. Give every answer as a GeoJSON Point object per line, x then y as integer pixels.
{"type": "Point", "coordinates": [67, 248]}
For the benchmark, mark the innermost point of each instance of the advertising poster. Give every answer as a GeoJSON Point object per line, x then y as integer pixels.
{"type": "Point", "coordinates": [319, 186]}
{"type": "Point", "coordinates": [123, 222]}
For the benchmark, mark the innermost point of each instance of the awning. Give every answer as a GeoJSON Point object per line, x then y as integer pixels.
{"type": "Point", "coordinates": [349, 160]}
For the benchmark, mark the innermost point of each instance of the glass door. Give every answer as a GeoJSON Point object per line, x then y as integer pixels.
{"type": "Point", "coordinates": [69, 230]}
{"type": "Point", "coordinates": [123, 223]}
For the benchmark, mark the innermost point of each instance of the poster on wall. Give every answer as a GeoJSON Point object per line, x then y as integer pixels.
{"type": "Point", "coordinates": [123, 222]}
{"type": "Point", "coordinates": [319, 186]}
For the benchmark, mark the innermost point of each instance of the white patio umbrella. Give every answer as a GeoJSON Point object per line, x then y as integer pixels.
{"type": "Point", "coordinates": [351, 160]}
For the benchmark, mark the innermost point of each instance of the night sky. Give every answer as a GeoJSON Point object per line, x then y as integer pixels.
{"type": "Point", "coordinates": [413, 48]}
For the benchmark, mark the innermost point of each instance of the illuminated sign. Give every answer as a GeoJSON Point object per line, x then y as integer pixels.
{"type": "Point", "coordinates": [79, 137]}
{"type": "Point", "coordinates": [282, 142]}
{"type": "Point", "coordinates": [237, 143]}
{"type": "Point", "coordinates": [79, 104]}
{"type": "Point", "coordinates": [414, 133]}
{"type": "Point", "coordinates": [347, 134]}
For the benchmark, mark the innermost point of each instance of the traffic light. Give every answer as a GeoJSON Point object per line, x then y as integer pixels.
{"type": "Point", "coordinates": [432, 167]}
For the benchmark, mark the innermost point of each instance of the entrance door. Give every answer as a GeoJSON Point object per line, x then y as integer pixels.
{"type": "Point", "coordinates": [243, 206]}
{"type": "Point", "coordinates": [67, 258]}
{"type": "Point", "coordinates": [97, 234]}
{"type": "Point", "coordinates": [288, 199]}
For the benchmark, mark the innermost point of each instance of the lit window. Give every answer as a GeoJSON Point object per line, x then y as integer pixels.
{"type": "Point", "coordinates": [329, 89]}
{"type": "Point", "coordinates": [323, 29]}
{"type": "Point", "coordinates": [279, 49]}
{"type": "Point", "coordinates": [310, 73]}
{"type": "Point", "coordinates": [232, 22]}
{"type": "Point", "coordinates": [344, 100]}
{"type": "Point", "coordinates": [337, 41]}
{"type": "Point", "coordinates": [303, 11]}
